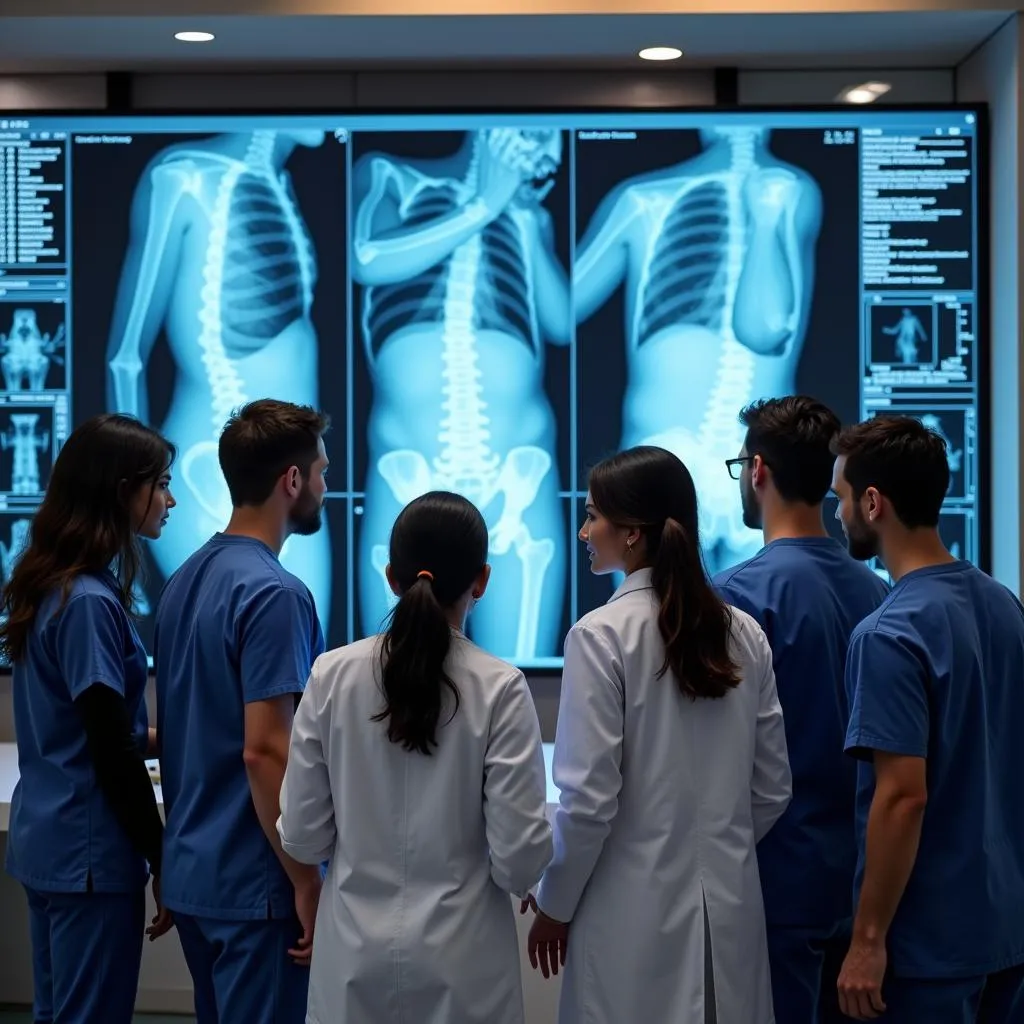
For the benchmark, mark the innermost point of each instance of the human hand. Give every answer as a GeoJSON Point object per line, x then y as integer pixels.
{"type": "Point", "coordinates": [528, 902]}
{"type": "Point", "coordinates": [860, 980]}
{"type": "Point", "coordinates": [547, 943]}
{"type": "Point", "coordinates": [307, 900]}
{"type": "Point", "coordinates": [501, 169]}
{"type": "Point", "coordinates": [163, 922]}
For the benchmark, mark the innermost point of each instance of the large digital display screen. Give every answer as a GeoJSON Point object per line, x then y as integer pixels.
{"type": "Point", "coordinates": [486, 303]}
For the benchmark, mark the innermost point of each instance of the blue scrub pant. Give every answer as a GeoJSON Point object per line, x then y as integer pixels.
{"type": "Point", "coordinates": [86, 954]}
{"type": "Point", "coordinates": [992, 999]}
{"type": "Point", "coordinates": [805, 964]}
{"type": "Point", "coordinates": [241, 971]}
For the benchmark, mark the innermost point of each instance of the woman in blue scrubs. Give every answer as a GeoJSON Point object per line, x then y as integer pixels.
{"type": "Point", "coordinates": [84, 819]}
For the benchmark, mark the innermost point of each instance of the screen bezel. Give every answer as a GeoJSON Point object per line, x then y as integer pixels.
{"type": "Point", "coordinates": [982, 257]}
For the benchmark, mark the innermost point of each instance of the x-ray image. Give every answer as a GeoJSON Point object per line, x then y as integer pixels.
{"type": "Point", "coordinates": [32, 346]}
{"type": "Point", "coordinates": [903, 335]}
{"type": "Point", "coordinates": [955, 535]}
{"type": "Point", "coordinates": [459, 249]}
{"type": "Point", "coordinates": [26, 449]}
{"type": "Point", "coordinates": [223, 295]}
{"type": "Point", "coordinates": [15, 529]}
{"type": "Point", "coordinates": [716, 254]}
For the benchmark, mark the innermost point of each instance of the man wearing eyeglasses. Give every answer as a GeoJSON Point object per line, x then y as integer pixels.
{"type": "Point", "coordinates": [807, 594]}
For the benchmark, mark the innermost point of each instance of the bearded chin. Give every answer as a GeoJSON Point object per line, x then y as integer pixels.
{"type": "Point", "coordinates": [863, 546]}
{"type": "Point", "coordinates": [751, 510]}
{"type": "Point", "coordinates": [306, 517]}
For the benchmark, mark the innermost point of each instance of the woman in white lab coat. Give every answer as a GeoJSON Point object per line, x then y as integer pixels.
{"type": "Point", "coordinates": [415, 767]}
{"type": "Point", "coordinates": [671, 760]}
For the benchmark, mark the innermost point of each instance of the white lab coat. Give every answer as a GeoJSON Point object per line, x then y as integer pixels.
{"type": "Point", "coordinates": [662, 802]}
{"type": "Point", "coordinates": [415, 920]}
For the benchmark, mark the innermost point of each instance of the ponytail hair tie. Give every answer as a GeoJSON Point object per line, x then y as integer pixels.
{"type": "Point", "coordinates": [423, 572]}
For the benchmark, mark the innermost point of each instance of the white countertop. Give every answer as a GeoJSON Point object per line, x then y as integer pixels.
{"type": "Point", "coordinates": [9, 778]}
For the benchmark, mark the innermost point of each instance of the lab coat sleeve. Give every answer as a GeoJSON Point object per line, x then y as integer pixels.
{"type": "Point", "coordinates": [771, 786]}
{"type": "Point", "coordinates": [306, 825]}
{"type": "Point", "coordinates": [515, 792]}
{"type": "Point", "coordinates": [586, 768]}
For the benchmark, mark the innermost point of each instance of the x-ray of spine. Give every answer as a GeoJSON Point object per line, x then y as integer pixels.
{"type": "Point", "coordinates": [461, 288]}
{"type": "Point", "coordinates": [28, 436]}
{"type": "Point", "coordinates": [219, 261]}
{"type": "Point", "coordinates": [716, 255]}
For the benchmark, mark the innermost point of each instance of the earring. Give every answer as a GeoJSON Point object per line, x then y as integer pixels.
{"type": "Point", "coordinates": [629, 547]}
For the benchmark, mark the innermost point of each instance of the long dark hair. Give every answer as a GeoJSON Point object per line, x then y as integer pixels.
{"type": "Point", "coordinates": [649, 488]}
{"type": "Point", "coordinates": [438, 548]}
{"type": "Point", "coordinates": [84, 522]}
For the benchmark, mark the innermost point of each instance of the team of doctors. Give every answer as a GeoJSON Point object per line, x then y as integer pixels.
{"type": "Point", "coordinates": [789, 794]}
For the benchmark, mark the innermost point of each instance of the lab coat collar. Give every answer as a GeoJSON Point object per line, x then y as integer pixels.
{"type": "Point", "coordinates": [639, 580]}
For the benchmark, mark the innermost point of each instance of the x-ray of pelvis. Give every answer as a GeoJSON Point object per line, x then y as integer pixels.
{"type": "Point", "coordinates": [716, 255]}
{"type": "Point", "coordinates": [220, 261]}
{"type": "Point", "coordinates": [461, 288]}
{"type": "Point", "coordinates": [28, 352]}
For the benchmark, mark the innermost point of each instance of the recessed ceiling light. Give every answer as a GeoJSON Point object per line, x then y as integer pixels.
{"type": "Point", "coordinates": [867, 92]}
{"type": "Point", "coordinates": [660, 53]}
{"type": "Point", "coordinates": [194, 37]}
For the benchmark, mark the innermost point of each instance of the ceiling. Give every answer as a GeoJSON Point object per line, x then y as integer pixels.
{"type": "Point", "coordinates": [904, 39]}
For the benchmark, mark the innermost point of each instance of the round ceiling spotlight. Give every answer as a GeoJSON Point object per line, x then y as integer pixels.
{"type": "Point", "coordinates": [868, 92]}
{"type": "Point", "coordinates": [660, 53]}
{"type": "Point", "coordinates": [194, 37]}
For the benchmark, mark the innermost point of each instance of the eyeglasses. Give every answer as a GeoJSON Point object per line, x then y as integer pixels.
{"type": "Point", "coordinates": [735, 466]}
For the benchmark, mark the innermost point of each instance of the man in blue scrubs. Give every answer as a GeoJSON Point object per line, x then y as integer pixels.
{"type": "Point", "coordinates": [236, 636]}
{"type": "Point", "coordinates": [935, 679]}
{"type": "Point", "coordinates": [807, 594]}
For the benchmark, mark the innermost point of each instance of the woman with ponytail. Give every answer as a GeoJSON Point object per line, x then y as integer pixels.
{"type": "Point", "coordinates": [670, 758]}
{"type": "Point", "coordinates": [416, 769]}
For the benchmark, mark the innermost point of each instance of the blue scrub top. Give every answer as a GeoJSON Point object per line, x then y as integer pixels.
{"type": "Point", "coordinates": [808, 594]}
{"type": "Point", "coordinates": [938, 672]}
{"type": "Point", "coordinates": [63, 834]}
{"type": "Point", "coordinates": [232, 626]}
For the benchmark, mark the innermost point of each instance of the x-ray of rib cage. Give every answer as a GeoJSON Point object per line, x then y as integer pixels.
{"type": "Point", "coordinates": [26, 441]}
{"type": "Point", "coordinates": [461, 287]}
{"type": "Point", "coordinates": [27, 352]}
{"type": "Point", "coordinates": [717, 258]}
{"type": "Point", "coordinates": [908, 331]}
{"type": "Point", "coordinates": [220, 261]}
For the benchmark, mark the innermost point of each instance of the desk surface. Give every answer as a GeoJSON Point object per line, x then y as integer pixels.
{"type": "Point", "coordinates": [9, 779]}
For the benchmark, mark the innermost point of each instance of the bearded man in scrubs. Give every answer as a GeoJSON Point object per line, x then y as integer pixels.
{"type": "Point", "coordinates": [936, 692]}
{"type": "Point", "coordinates": [236, 637]}
{"type": "Point", "coordinates": [807, 594]}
